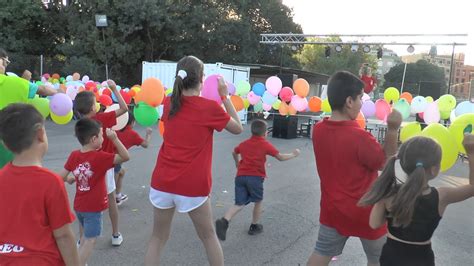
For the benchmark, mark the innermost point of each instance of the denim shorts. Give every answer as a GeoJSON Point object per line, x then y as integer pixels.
{"type": "Point", "coordinates": [330, 243]}
{"type": "Point", "coordinates": [91, 223]}
{"type": "Point", "coordinates": [248, 189]}
{"type": "Point", "coordinates": [117, 168]}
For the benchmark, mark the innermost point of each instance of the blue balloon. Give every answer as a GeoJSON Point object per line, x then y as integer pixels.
{"type": "Point", "coordinates": [268, 98]}
{"type": "Point", "coordinates": [114, 98]}
{"type": "Point", "coordinates": [465, 107]}
{"type": "Point", "coordinates": [258, 89]}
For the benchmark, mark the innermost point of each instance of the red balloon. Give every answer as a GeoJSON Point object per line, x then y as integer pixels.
{"type": "Point", "coordinates": [107, 92]}
{"type": "Point", "coordinates": [285, 94]}
{"type": "Point", "coordinates": [105, 100]}
{"type": "Point", "coordinates": [126, 97]}
{"type": "Point", "coordinates": [90, 86]}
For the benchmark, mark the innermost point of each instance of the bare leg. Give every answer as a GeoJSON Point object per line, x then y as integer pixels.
{"type": "Point", "coordinates": [113, 213]}
{"type": "Point", "coordinates": [161, 232]}
{"type": "Point", "coordinates": [202, 220]}
{"type": "Point", "coordinates": [318, 260]}
{"type": "Point", "coordinates": [118, 180]}
{"type": "Point", "coordinates": [233, 211]}
{"type": "Point", "coordinates": [257, 211]}
{"type": "Point", "coordinates": [85, 250]}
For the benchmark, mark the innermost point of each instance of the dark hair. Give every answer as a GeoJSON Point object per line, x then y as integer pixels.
{"type": "Point", "coordinates": [3, 53]}
{"type": "Point", "coordinates": [416, 155]}
{"type": "Point", "coordinates": [258, 127]}
{"type": "Point", "coordinates": [85, 129]}
{"type": "Point", "coordinates": [84, 102]}
{"type": "Point", "coordinates": [195, 71]}
{"type": "Point", "coordinates": [130, 121]}
{"type": "Point", "coordinates": [341, 85]}
{"type": "Point", "coordinates": [18, 126]}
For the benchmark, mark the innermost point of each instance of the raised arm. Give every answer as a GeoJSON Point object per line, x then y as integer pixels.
{"type": "Point", "coordinates": [122, 153]}
{"type": "Point", "coordinates": [234, 125]}
{"type": "Point", "coordinates": [390, 145]}
{"type": "Point", "coordinates": [287, 156]}
{"type": "Point", "coordinates": [123, 106]}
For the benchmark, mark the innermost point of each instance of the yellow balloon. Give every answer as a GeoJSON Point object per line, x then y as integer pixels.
{"type": "Point", "coordinates": [410, 130]}
{"type": "Point", "coordinates": [391, 94]}
{"type": "Point", "coordinates": [429, 99]}
{"type": "Point", "coordinates": [449, 149]}
{"type": "Point", "coordinates": [246, 103]}
{"type": "Point", "coordinates": [325, 106]}
{"type": "Point", "coordinates": [61, 120]}
{"type": "Point", "coordinates": [97, 107]}
{"type": "Point", "coordinates": [276, 105]}
{"type": "Point", "coordinates": [457, 129]}
{"type": "Point", "coordinates": [136, 88]}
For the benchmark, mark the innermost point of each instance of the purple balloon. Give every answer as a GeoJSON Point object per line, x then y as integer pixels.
{"type": "Point", "coordinates": [60, 104]}
{"type": "Point", "coordinates": [209, 89]}
{"type": "Point", "coordinates": [231, 88]}
{"type": "Point", "coordinates": [368, 108]}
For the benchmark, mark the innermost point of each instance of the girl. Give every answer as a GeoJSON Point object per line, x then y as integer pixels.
{"type": "Point", "coordinates": [182, 176]}
{"type": "Point", "coordinates": [412, 208]}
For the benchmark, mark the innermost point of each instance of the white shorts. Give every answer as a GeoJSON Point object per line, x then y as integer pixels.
{"type": "Point", "coordinates": [183, 204]}
{"type": "Point", "coordinates": [110, 180]}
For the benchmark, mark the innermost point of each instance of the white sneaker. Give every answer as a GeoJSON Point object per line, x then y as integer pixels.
{"type": "Point", "coordinates": [117, 240]}
{"type": "Point", "coordinates": [78, 243]}
{"type": "Point", "coordinates": [121, 198]}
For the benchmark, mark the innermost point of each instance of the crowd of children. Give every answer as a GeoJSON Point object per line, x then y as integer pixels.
{"type": "Point", "coordinates": [394, 219]}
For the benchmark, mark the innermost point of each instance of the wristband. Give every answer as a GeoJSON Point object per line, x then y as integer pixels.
{"type": "Point", "coordinates": [223, 98]}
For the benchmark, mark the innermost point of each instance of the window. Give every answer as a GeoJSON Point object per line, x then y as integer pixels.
{"type": "Point", "coordinates": [463, 80]}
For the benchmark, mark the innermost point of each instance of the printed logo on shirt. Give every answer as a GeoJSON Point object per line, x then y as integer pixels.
{"type": "Point", "coordinates": [83, 173]}
{"type": "Point", "coordinates": [9, 248]}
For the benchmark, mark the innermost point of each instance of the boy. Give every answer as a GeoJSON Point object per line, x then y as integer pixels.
{"type": "Point", "coordinates": [85, 106]}
{"type": "Point", "coordinates": [35, 227]}
{"type": "Point", "coordinates": [129, 138]}
{"type": "Point", "coordinates": [347, 160]}
{"type": "Point", "coordinates": [89, 166]}
{"type": "Point", "coordinates": [250, 176]}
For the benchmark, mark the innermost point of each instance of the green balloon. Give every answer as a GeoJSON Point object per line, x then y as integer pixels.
{"type": "Point", "coordinates": [276, 104]}
{"type": "Point", "coordinates": [243, 88]}
{"type": "Point", "coordinates": [446, 103]}
{"type": "Point", "coordinates": [403, 107]}
{"type": "Point", "coordinates": [145, 114]}
{"type": "Point", "coordinates": [41, 104]}
{"type": "Point", "coordinates": [258, 107]}
{"type": "Point", "coordinates": [5, 155]}
{"type": "Point", "coordinates": [61, 80]}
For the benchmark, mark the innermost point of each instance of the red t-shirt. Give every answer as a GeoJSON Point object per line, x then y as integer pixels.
{"type": "Point", "coordinates": [348, 159]}
{"type": "Point", "coordinates": [33, 203]}
{"type": "Point", "coordinates": [89, 169]}
{"type": "Point", "coordinates": [183, 165]}
{"type": "Point", "coordinates": [253, 154]}
{"type": "Point", "coordinates": [369, 83]}
{"type": "Point", "coordinates": [129, 137]}
{"type": "Point", "coordinates": [108, 120]}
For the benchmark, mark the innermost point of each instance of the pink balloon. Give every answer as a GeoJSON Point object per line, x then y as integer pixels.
{"type": "Point", "coordinates": [431, 114]}
{"type": "Point", "coordinates": [368, 108]}
{"type": "Point", "coordinates": [382, 109]}
{"type": "Point", "coordinates": [365, 97]}
{"type": "Point", "coordinates": [209, 89]}
{"type": "Point", "coordinates": [300, 104]}
{"type": "Point", "coordinates": [60, 104]}
{"type": "Point", "coordinates": [266, 107]}
{"type": "Point", "coordinates": [71, 91]}
{"type": "Point", "coordinates": [253, 98]}
{"type": "Point", "coordinates": [273, 85]}
{"type": "Point", "coordinates": [286, 93]}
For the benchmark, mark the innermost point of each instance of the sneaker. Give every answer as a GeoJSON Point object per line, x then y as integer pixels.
{"type": "Point", "coordinates": [121, 198]}
{"type": "Point", "coordinates": [78, 243]}
{"type": "Point", "coordinates": [255, 229]}
{"type": "Point", "coordinates": [221, 228]}
{"type": "Point", "coordinates": [117, 240]}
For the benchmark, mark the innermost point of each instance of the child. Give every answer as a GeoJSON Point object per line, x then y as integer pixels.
{"type": "Point", "coordinates": [85, 106]}
{"type": "Point", "coordinates": [250, 176]}
{"type": "Point", "coordinates": [182, 176]}
{"type": "Point", "coordinates": [89, 166]}
{"type": "Point", "coordinates": [412, 208]}
{"type": "Point", "coordinates": [347, 160]}
{"type": "Point", "coordinates": [35, 227]}
{"type": "Point", "coordinates": [129, 138]}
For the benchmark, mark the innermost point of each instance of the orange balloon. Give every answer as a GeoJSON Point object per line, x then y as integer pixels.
{"type": "Point", "coordinates": [283, 109]}
{"type": "Point", "coordinates": [56, 76]}
{"type": "Point", "coordinates": [301, 87]}
{"type": "Point", "coordinates": [237, 102]}
{"type": "Point", "coordinates": [76, 76]}
{"type": "Point", "coordinates": [361, 120]}
{"type": "Point", "coordinates": [291, 110]}
{"type": "Point", "coordinates": [63, 87]}
{"type": "Point", "coordinates": [132, 93]}
{"type": "Point", "coordinates": [407, 96]}
{"type": "Point", "coordinates": [152, 92]}
{"type": "Point", "coordinates": [161, 127]}
{"type": "Point", "coordinates": [315, 104]}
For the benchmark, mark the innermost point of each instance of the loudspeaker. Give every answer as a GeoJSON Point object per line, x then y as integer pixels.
{"type": "Point", "coordinates": [287, 79]}
{"type": "Point", "coordinates": [285, 127]}
{"type": "Point", "coordinates": [432, 89]}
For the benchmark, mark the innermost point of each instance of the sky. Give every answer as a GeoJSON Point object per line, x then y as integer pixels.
{"type": "Point", "coordinates": [390, 17]}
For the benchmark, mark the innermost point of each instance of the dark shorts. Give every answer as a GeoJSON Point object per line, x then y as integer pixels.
{"type": "Point", "coordinates": [248, 189]}
{"type": "Point", "coordinates": [397, 253]}
{"type": "Point", "coordinates": [117, 168]}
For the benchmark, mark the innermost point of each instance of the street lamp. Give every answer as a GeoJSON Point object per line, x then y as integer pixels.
{"type": "Point", "coordinates": [101, 22]}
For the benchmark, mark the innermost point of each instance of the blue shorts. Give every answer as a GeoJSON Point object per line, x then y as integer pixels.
{"type": "Point", "coordinates": [117, 168]}
{"type": "Point", "coordinates": [248, 189]}
{"type": "Point", "coordinates": [91, 223]}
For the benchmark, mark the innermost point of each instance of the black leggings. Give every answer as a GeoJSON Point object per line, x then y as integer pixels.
{"type": "Point", "coordinates": [396, 253]}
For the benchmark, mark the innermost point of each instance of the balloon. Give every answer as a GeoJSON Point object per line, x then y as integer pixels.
{"type": "Point", "coordinates": [69, 78]}
{"type": "Point", "coordinates": [301, 87]}
{"type": "Point", "coordinates": [41, 104]}
{"type": "Point", "coordinates": [105, 100]}
{"type": "Point", "coordinates": [71, 91]}
{"type": "Point", "coordinates": [325, 106]}
{"type": "Point", "coordinates": [446, 103]}
{"type": "Point", "coordinates": [391, 95]}
{"type": "Point", "coordinates": [246, 103]}
{"type": "Point", "coordinates": [258, 107]}
{"type": "Point", "coordinates": [121, 120]}
{"type": "Point", "coordinates": [300, 104]}
{"type": "Point", "coordinates": [90, 86]}
{"type": "Point", "coordinates": [253, 98]}
{"type": "Point", "coordinates": [145, 114]}
{"type": "Point", "coordinates": [465, 107]}
{"type": "Point", "coordinates": [152, 92]}
{"type": "Point", "coordinates": [258, 88]}
{"type": "Point", "coordinates": [237, 102]}
{"type": "Point", "coordinates": [286, 93]}
{"type": "Point", "coordinates": [452, 116]}
{"type": "Point", "coordinates": [126, 97]}
{"type": "Point", "coordinates": [63, 88]}
{"type": "Point", "coordinates": [268, 98]}
{"type": "Point", "coordinates": [61, 120]}
{"type": "Point", "coordinates": [449, 149]}
{"type": "Point", "coordinates": [210, 89]}
{"type": "Point", "coordinates": [56, 76]}
{"type": "Point", "coordinates": [284, 109]}
{"type": "Point", "coordinates": [132, 93]}
{"type": "Point", "coordinates": [60, 104]}
{"type": "Point", "coordinates": [276, 105]}
{"type": "Point", "coordinates": [382, 109]}
{"type": "Point", "coordinates": [429, 99]}
{"type": "Point", "coordinates": [291, 110]}
{"type": "Point", "coordinates": [368, 108]}
{"type": "Point", "coordinates": [97, 107]}
{"type": "Point", "coordinates": [161, 127]}
{"type": "Point", "coordinates": [457, 129]}
{"type": "Point", "coordinates": [231, 88]}
{"type": "Point", "coordinates": [403, 107]}
{"type": "Point", "coordinates": [361, 120]}
{"type": "Point", "coordinates": [315, 104]}
{"type": "Point", "coordinates": [410, 130]}
{"type": "Point", "coordinates": [85, 78]}
{"type": "Point", "coordinates": [432, 115]}
{"type": "Point", "coordinates": [159, 109]}
{"type": "Point", "coordinates": [266, 107]}
{"type": "Point", "coordinates": [76, 76]}
{"type": "Point", "coordinates": [407, 96]}
{"type": "Point", "coordinates": [418, 105]}
{"type": "Point", "coordinates": [243, 88]}
{"type": "Point", "coordinates": [46, 76]}
{"type": "Point", "coordinates": [273, 85]}
{"type": "Point", "coordinates": [168, 92]}
{"type": "Point", "coordinates": [365, 97]}
{"type": "Point", "coordinates": [136, 88]}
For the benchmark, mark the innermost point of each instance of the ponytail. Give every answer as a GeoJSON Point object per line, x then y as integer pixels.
{"type": "Point", "coordinates": [383, 187]}
{"type": "Point", "coordinates": [176, 96]}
